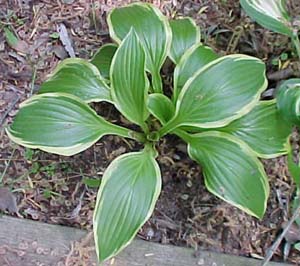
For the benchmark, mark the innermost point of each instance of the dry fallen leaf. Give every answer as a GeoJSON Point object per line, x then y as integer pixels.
{"type": "Point", "coordinates": [8, 201]}
{"type": "Point", "coordinates": [65, 39]}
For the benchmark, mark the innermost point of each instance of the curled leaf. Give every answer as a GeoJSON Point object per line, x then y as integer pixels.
{"type": "Point", "coordinates": [272, 14]}
{"type": "Point", "coordinates": [288, 101]}
{"type": "Point", "coordinates": [103, 58]}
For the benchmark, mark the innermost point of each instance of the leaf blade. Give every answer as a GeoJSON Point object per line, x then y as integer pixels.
{"type": "Point", "coordinates": [270, 14]}
{"type": "Point", "coordinates": [185, 34]}
{"type": "Point", "coordinates": [103, 57]}
{"type": "Point", "coordinates": [288, 100]}
{"type": "Point", "coordinates": [192, 61]}
{"type": "Point", "coordinates": [153, 30]}
{"type": "Point", "coordinates": [161, 107]}
{"type": "Point", "coordinates": [44, 121]}
{"type": "Point", "coordinates": [77, 77]}
{"type": "Point", "coordinates": [133, 182]}
{"type": "Point", "coordinates": [231, 170]}
{"type": "Point", "coordinates": [129, 88]}
{"type": "Point", "coordinates": [208, 102]}
{"type": "Point", "coordinates": [262, 129]}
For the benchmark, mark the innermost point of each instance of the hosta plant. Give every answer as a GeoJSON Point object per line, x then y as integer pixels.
{"type": "Point", "coordinates": [273, 15]}
{"type": "Point", "coordinates": [215, 108]}
{"type": "Point", "coordinates": [288, 104]}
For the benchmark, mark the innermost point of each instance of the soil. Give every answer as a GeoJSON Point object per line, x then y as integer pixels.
{"type": "Point", "coordinates": [51, 188]}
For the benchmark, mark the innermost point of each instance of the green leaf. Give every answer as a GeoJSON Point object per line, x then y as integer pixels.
{"type": "Point", "coordinates": [11, 38]}
{"type": "Point", "coordinates": [288, 101]}
{"type": "Point", "coordinates": [263, 130]}
{"type": "Point", "coordinates": [161, 107]}
{"type": "Point", "coordinates": [231, 170]}
{"type": "Point", "coordinates": [185, 34]}
{"type": "Point", "coordinates": [296, 200]}
{"type": "Point", "coordinates": [192, 61]}
{"type": "Point", "coordinates": [294, 169]}
{"type": "Point", "coordinates": [153, 30]}
{"type": "Point", "coordinates": [222, 91]}
{"type": "Point", "coordinates": [271, 14]}
{"type": "Point", "coordinates": [77, 77]}
{"type": "Point", "coordinates": [91, 182]}
{"type": "Point", "coordinates": [59, 123]}
{"type": "Point", "coordinates": [297, 246]}
{"type": "Point", "coordinates": [126, 199]}
{"type": "Point", "coordinates": [129, 83]}
{"type": "Point", "coordinates": [103, 58]}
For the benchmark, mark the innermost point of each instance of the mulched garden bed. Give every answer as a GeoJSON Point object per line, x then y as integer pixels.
{"type": "Point", "coordinates": [52, 189]}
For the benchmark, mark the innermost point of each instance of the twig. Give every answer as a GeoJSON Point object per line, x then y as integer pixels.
{"type": "Point", "coordinates": [292, 70]}
{"type": "Point", "coordinates": [7, 165]}
{"type": "Point", "coordinates": [276, 244]}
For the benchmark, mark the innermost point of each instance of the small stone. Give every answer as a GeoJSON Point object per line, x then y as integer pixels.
{"type": "Point", "coordinates": [189, 183]}
{"type": "Point", "coordinates": [184, 196]}
{"type": "Point", "coordinates": [201, 261]}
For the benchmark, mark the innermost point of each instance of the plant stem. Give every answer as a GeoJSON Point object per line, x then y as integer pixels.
{"type": "Point", "coordinates": [296, 42]}
{"type": "Point", "coordinates": [172, 124]}
{"type": "Point", "coordinates": [145, 128]}
{"type": "Point", "coordinates": [157, 83]}
{"type": "Point", "coordinates": [128, 133]}
{"type": "Point", "coordinates": [183, 135]}
{"type": "Point", "coordinates": [276, 244]}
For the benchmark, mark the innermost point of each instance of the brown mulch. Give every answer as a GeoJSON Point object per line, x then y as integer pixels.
{"type": "Point", "coordinates": [50, 188]}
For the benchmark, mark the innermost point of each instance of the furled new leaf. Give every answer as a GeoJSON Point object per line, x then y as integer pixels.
{"type": "Point", "coordinates": [231, 170]}
{"type": "Point", "coordinates": [222, 91]}
{"type": "Point", "coordinates": [103, 58]}
{"type": "Point", "coordinates": [288, 100]}
{"type": "Point", "coordinates": [192, 61]}
{"type": "Point", "coordinates": [77, 77]}
{"type": "Point", "coordinates": [263, 129]}
{"type": "Point", "coordinates": [271, 14]}
{"type": "Point", "coordinates": [59, 123]}
{"type": "Point", "coordinates": [161, 107]}
{"type": "Point", "coordinates": [152, 29]}
{"type": "Point", "coordinates": [185, 34]}
{"type": "Point", "coordinates": [126, 198]}
{"type": "Point", "coordinates": [129, 83]}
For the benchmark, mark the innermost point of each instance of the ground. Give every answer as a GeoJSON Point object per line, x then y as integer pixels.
{"type": "Point", "coordinates": [53, 189]}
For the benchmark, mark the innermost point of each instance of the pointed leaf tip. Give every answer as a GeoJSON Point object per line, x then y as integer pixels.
{"type": "Point", "coordinates": [129, 88]}
{"type": "Point", "coordinates": [231, 170]}
{"type": "Point", "coordinates": [153, 30]}
{"type": "Point", "coordinates": [126, 199]}
{"type": "Point", "coordinates": [58, 123]}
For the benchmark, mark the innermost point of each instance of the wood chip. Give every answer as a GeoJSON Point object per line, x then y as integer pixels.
{"type": "Point", "coordinates": [65, 39]}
